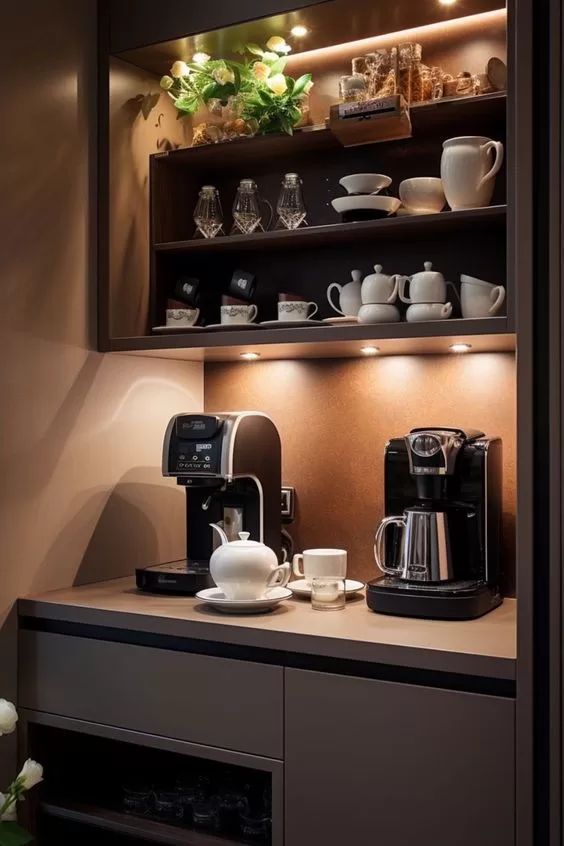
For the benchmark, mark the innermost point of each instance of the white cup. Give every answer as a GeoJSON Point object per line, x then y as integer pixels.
{"type": "Point", "coordinates": [420, 312]}
{"type": "Point", "coordinates": [320, 564]}
{"type": "Point", "coordinates": [238, 313]}
{"type": "Point", "coordinates": [290, 310]}
{"type": "Point", "coordinates": [423, 195]}
{"type": "Point", "coordinates": [378, 313]}
{"type": "Point", "coordinates": [479, 298]}
{"type": "Point", "coordinates": [182, 316]}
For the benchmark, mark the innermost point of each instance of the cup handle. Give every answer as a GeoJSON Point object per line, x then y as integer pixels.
{"type": "Point", "coordinates": [315, 309]}
{"type": "Point", "coordinates": [497, 298]}
{"type": "Point", "coordinates": [394, 295]}
{"type": "Point", "coordinates": [253, 313]}
{"type": "Point", "coordinates": [197, 317]}
{"type": "Point", "coordinates": [446, 311]}
{"type": "Point", "coordinates": [401, 289]}
{"type": "Point", "coordinates": [334, 286]}
{"type": "Point", "coordinates": [495, 168]}
{"type": "Point", "coordinates": [296, 566]}
{"type": "Point", "coordinates": [380, 545]}
{"type": "Point", "coordinates": [279, 577]}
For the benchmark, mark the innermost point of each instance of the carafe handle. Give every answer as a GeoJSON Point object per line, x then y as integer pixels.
{"type": "Point", "coordinates": [380, 545]}
{"type": "Point", "coordinates": [334, 286]}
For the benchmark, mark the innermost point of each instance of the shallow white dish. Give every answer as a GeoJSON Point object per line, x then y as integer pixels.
{"type": "Point", "coordinates": [341, 321]}
{"type": "Point", "coordinates": [368, 202]}
{"type": "Point", "coordinates": [365, 183]}
{"type": "Point", "coordinates": [171, 330]}
{"type": "Point", "coordinates": [301, 588]}
{"type": "Point", "coordinates": [290, 324]}
{"type": "Point", "coordinates": [230, 327]}
{"type": "Point", "coordinates": [216, 598]}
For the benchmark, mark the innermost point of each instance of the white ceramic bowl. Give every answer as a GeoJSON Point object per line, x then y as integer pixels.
{"type": "Point", "coordinates": [420, 312]}
{"type": "Point", "coordinates": [423, 195]}
{"type": "Point", "coordinates": [378, 313]}
{"type": "Point", "coordinates": [365, 183]}
{"type": "Point", "coordinates": [368, 203]}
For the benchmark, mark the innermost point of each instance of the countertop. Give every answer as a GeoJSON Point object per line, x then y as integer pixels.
{"type": "Point", "coordinates": [485, 647]}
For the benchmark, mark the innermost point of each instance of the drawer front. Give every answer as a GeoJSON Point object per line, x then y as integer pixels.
{"type": "Point", "coordinates": [207, 700]}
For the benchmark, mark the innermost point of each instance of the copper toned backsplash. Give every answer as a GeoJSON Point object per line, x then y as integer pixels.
{"type": "Point", "coordinates": [335, 417]}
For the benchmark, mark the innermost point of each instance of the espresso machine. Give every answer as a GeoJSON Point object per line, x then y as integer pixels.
{"type": "Point", "coordinates": [230, 467]}
{"type": "Point", "coordinates": [439, 545]}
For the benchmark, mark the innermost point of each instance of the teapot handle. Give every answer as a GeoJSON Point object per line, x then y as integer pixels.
{"type": "Point", "coordinates": [394, 295]}
{"type": "Point", "coordinates": [334, 286]}
{"type": "Point", "coordinates": [380, 545]}
{"type": "Point", "coordinates": [279, 577]}
{"type": "Point", "coordinates": [403, 280]}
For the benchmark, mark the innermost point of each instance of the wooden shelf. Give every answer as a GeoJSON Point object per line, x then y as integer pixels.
{"type": "Point", "coordinates": [341, 233]}
{"type": "Point", "coordinates": [437, 116]}
{"type": "Point", "coordinates": [486, 335]}
{"type": "Point", "coordinates": [140, 828]}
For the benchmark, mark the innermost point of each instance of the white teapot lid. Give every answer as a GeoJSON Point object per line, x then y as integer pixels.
{"type": "Point", "coordinates": [244, 540]}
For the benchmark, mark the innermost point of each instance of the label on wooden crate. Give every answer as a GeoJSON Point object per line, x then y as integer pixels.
{"type": "Point", "coordinates": [369, 108]}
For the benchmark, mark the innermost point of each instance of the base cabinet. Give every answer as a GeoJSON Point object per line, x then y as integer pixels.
{"type": "Point", "coordinates": [396, 764]}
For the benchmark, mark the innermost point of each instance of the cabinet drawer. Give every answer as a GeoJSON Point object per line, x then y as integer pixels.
{"type": "Point", "coordinates": [207, 700]}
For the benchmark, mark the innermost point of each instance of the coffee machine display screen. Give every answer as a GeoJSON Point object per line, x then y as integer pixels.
{"type": "Point", "coordinates": [198, 456]}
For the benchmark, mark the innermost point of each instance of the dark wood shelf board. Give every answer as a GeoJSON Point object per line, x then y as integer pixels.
{"type": "Point", "coordinates": [341, 233]}
{"type": "Point", "coordinates": [436, 115]}
{"type": "Point", "coordinates": [139, 827]}
{"type": "Point", "coordinates": [486, 335]}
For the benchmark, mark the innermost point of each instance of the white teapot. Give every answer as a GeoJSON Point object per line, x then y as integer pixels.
{"type": "Point", "coordinates": [379, 288]}
{"type": "Point", "coordinates": [427, 286]}
{"type": "Point", "coordinates": [245, 569]}
{"type": "Point", "coordinates": [349, 295]}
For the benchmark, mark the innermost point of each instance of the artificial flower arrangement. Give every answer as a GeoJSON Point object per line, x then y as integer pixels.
{"type": "Point", "coordinates": [256, 94]}
{"type": "Point", "coordinates": [11, 834]}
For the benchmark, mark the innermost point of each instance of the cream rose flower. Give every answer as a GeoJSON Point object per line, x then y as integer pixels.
{"type": "Point", "coordinates": [278, 44]}
{"type": "Point", "coordinates": [277, 83]}
{"type": "Point", "coordinates": [261, 71]}
{"type": "Point", "coordinates": [31, 774]}
{"type": "Point", "coordinates": [180, 69]}
{"type": "Point", "coordinates": [8, 717]}
{"type": "Point", "coordinates": [166, 82]}
{"type": "Point", "coordinates": [223, 76]}
{"type": "Point", "coordinates": [10, 814]}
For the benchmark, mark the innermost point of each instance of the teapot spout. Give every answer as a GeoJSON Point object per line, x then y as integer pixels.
{"type": "Point", "coordinates": [223, 537]}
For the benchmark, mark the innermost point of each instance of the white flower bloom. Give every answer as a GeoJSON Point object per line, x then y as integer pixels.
{"type": "Point", "coordinates": [31, 774]}
{"type": "Point", "coordinates": [200, 58]}
{"type": "Point", "coordinates": [8, 717]}
{"type": "Point", "coordinates": [223, 76]}
{"type": "Point", "coordinates": [278, 44]}
{"type": "Point", "coordinates": [180, 69]}
{"type": "Point", "coordinates": [10, 814]}
{"type": "Point", "coordinates": [277, 83]}
{"type": "Point", "coordinates": [166, 82]}
{"type": "Point", "coordinates": [261, 71]}
{"type": "Point", "coordinates": [270, 57]}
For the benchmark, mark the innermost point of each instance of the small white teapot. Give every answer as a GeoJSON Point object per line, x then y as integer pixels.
{"type": "Point", "coordinates": [246, 569]}
{"type": "Point", "coordinates": [349, 295]}
{"type": "Point", "coordinates": [379, 288]}
{"type": "Point", "coordinates": [427, 286]}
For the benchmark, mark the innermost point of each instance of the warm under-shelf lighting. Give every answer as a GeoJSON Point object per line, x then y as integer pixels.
{"type": "Point", "coordinates": [447, 2]}
{"type": "Point", "coordinates": [250, 356]}
{"type": "Point", "coordinates": [299, 31]}
{"type": "Point", "coordinates": [460, 348]}
{"type": "Point", "coordinates": [369, 350]}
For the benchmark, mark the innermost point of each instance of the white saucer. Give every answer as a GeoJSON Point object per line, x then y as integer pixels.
{"type": "Point", "coordinates": [290, 324]}
{"type": "Point", "coordinates": [171, 330]}
{"type": "Point", "coordinates": [230, 327]}
{"type": "Point", "coordinates": [216, 598]}
{"type": "Point", "coordinates": [301, 588]}
{"type": "Point", "coordinates": [342, 321]}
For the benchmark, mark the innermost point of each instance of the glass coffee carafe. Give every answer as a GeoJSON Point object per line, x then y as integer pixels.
{"type": "Point", "coordinates": [291, 208]}
{"type": "Point", "coordinates": [208, 214]}
{"type": "Point", "coordinates": [247, 213]}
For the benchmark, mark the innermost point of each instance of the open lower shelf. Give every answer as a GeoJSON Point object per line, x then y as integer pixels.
{"type": "Point", "coordinates": [485, 335]}
{"type": "Point", "coordinates": [140, 828]}
{"type": "Point", "coordinates": [341, 233]}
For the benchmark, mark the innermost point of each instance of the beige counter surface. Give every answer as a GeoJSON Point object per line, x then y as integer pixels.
{"type": "Point", "coordinates": [484, 647]}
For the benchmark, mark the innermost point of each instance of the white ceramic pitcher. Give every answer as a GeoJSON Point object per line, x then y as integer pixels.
{"type": "Point", "coordinates": [349, 295]}
{"type": "Point", "coordinates": [467, 171]}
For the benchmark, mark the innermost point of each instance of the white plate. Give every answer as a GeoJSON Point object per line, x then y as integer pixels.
{"type": "Point", "coordinates": [216, 598]}
{"type": "Point", "coordinates": [370, 202]}
{"type": "Point", "coordinates": [171, 330]}
{"type": "Point", "coordinates": [301, 588]}
{"type": "Point", "coordinates": [365, 183]}
{"type": "Point", "coordinates": [290, 324]}
{"type": "Point", "coordinates": [342, 321]}
{"type": "Point", "coordinates": [230, 327]}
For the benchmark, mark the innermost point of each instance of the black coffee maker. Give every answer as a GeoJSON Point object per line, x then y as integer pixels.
{"type": "Point", "coordinates": [230, 466]}
{"type": "Point", "coordinates": [439, 545]}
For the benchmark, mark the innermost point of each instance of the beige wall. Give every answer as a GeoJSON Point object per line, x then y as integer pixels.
{"type": "Point", "coordinates": [81, 495]}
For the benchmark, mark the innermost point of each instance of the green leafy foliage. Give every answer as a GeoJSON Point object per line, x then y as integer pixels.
{"type": "Point", "coordinates": [12, 834]}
